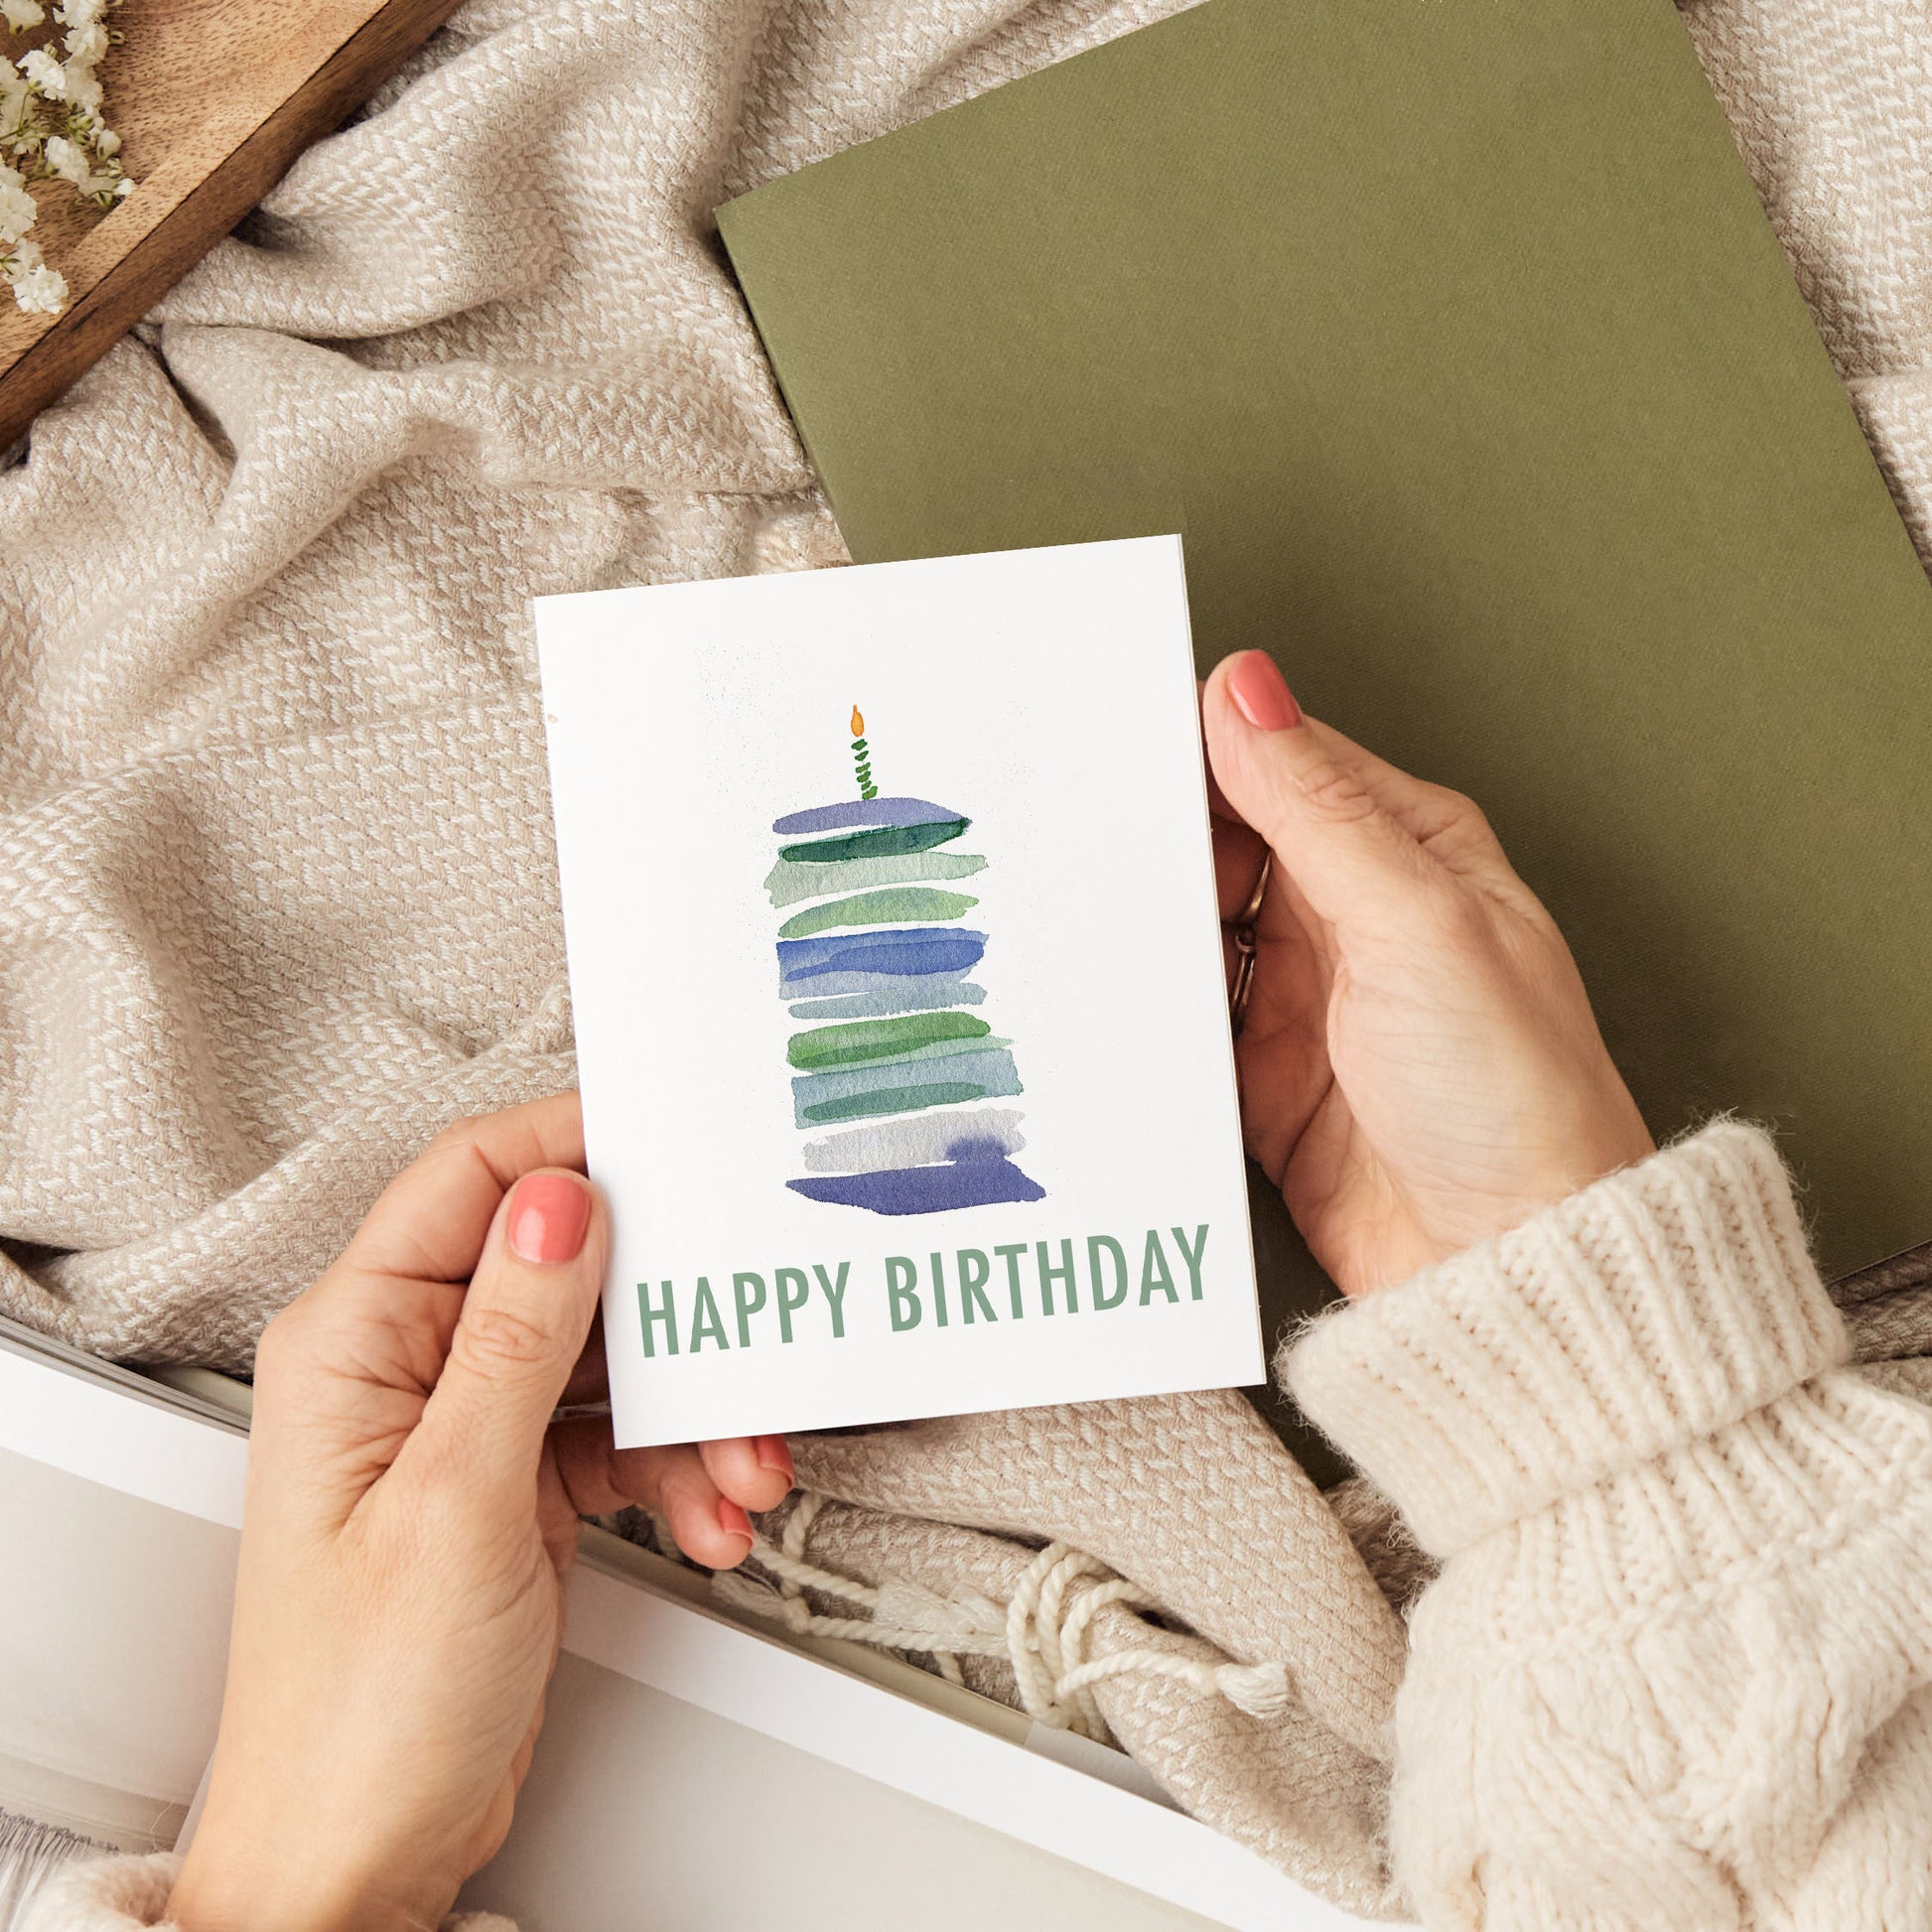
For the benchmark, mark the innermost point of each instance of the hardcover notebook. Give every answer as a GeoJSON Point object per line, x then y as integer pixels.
{"type": "Point", "coordinates": [1456, 343]}
{"type": "Point", "coordinates": [897, 973]}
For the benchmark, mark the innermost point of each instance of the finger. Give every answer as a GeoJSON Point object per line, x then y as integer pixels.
{"type": "Point", "coordinates": [671, 1483]}
{"type": "Point", "coordinates": [1449, 827]}
{"type": "Point", "coordinates": [752, 1471]}
{"type": "Point", "coordinates": [1355, 864]}
{"type": "Point", "coordinates": [1238, 852]}
{"type": "Point", "coordinates": [526, 1751]}
{"type": "Point", "coordinates": [1218, 808]}
{"type": "Point", "coordinates": [430, 1222]}
{"type": "Point", "coordinates": [523, 1325]}
{"type": "Point", "coordinates": [590, 1380]}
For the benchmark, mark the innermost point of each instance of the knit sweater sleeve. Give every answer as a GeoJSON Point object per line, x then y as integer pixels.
{"type": "Point", "coordinates": [131, 1895]}
{"type": "Point", "coordinates": [1676, 1671]}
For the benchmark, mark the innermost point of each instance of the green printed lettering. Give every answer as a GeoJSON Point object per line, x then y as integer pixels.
{"type": "Point", "coordinates": [747, 1303]}
{"type": "Point", "coordinates": [834, 1296]}
{"type": "Point", "coordinates": [1154, 1270]}
{"type": "Point", "coordinates": [788, 1304]}
{"type": "Point", "coordinates": [1095, 1242]}
{"type": "Point", "coordinates": [1010, 1253]}
{"type": "Point", "coordinates": [666, 1315]}
{"type": "Point", "coordinates": [974, 1269]}
{"type": "Point", "coordinates": [1063, 1273]}
{"type": "Point", "coordinates": [706, 1322]}
{"type": "Point", "coordinates": [1192, 1255]}
{"type": "Point", "coordinates": [901, 1284]}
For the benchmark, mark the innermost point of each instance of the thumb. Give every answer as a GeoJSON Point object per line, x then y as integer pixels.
{"type": "Point", "coordinates": [1291, 779]}
{"type": "Point", "coordinates": [525, 1323]}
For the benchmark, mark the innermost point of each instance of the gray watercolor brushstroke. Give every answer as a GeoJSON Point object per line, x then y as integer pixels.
{"type": "Point", "coordinates": [918, 997]}
{"type": "Point", "coordinates": [915, 1141]}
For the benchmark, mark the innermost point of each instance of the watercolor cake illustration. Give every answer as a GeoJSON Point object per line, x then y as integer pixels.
{"type": "Point", "coordinates": [892, 1066]}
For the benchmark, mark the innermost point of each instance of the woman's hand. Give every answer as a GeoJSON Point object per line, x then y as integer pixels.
{"type": "Point", "coordinates": [1420, 1067]}
{"type": "Point", "coordinates": [411, 1510]}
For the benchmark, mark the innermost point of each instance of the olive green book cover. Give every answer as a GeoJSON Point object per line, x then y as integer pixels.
{"type": "Point", "coordinates": [1455, 340]}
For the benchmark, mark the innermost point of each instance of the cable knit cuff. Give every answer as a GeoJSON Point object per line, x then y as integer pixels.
{"type": "Point", "coordinates": [1654, 1307]}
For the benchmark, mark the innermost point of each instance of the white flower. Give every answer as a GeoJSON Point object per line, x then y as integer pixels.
{"type": "Point", "coordinates": [77, 13]}
{"type": "Point", "coordinates": [17, 210]}
{"type": "Point", "coordinates": [22, 13]}
{"type": "Point", "coordinates": [108, 142]}
{"type": "Point", "coordinates": [26, 254]}
{"type": "Point", "coordinates": [43, 72]}
{"type": "Point", "coordinates": [79, 84]}
{"type": "Point", "coordinates": [41, 291]}
{"type": "Point", "coordinates": [85, 45]}
{"type": "Point", "coordinates": [68, 159]}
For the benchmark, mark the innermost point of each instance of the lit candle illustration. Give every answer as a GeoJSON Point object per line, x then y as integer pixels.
{"type": "Point", "coordinates": [875, 960]}
{"type": "Point", "coordinates": [860, 756]}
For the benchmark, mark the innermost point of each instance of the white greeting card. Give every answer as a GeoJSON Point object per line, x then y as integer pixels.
{"type": "Point", "coordinates": [900, 1019]}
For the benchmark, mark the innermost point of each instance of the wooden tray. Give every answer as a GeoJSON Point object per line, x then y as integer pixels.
{"type": "Point", "coordinates": [213, 100]}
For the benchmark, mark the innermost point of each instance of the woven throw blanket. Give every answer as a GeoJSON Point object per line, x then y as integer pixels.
{"type": "Point", "coordinates": [277, 894]}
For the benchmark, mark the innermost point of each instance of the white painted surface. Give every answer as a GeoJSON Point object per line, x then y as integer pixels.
{"type": "Point", "coordinates": [113, 1631]}
{"type": "Point", "coordinates": [116, 1527]}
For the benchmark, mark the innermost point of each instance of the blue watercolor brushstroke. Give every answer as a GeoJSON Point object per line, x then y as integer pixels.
{"type": "Point", "coordinates": [977, 1182]}
{"type": "Point", "coordinates": [837, 983]}
{"type": "Point", "coordinates": [926, 995]}
{"type": "Point", "coordinates": [989, 1076]}
{"type": "Point", "coordinates": [853, 814]}
{"type": "Point", "coordinates": [914, 949]}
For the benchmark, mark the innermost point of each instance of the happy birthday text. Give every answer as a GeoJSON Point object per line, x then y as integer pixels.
{"type": "Point", "coordinates": [1009, 1282]}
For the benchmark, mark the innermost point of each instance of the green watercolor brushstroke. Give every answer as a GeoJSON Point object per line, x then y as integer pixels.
{"type": "Point", "coordinates": [786, 882]}
{"type": "Point", "coordinates": [892, 1100]}
{"type": "Point", "coordinates": [897, 905]}
{"type": "Point", "coordinates": [865, 1040]}
{"type": "Point", "coordinates": [939, 1050]}
{"type": "Point", "coordinates": [883, 842]}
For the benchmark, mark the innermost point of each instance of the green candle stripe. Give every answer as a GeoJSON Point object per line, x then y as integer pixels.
{"type": "Point", "coordinates": [898, 905]}
{"type": "Point", "coordinates": [860, 1040]}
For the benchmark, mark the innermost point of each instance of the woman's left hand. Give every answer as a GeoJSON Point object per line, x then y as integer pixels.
{"type": "Point", "coordinates": [411, 1509]}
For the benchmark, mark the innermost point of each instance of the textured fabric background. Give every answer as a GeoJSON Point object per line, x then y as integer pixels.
{"type": "Point", "coordinates": [277, 895]}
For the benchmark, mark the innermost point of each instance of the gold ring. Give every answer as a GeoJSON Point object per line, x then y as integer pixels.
{"type": "Point", "coordinates": [1241, 931]}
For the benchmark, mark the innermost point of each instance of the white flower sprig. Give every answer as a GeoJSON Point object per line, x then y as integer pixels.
{"type": "Point", "coordinates": [51, 129]}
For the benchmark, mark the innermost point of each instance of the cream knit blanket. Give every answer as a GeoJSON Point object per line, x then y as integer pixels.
{"type": "Point", "coordinates": [275, 865]}
{"type": "Point", "coordinates": [276, 877]}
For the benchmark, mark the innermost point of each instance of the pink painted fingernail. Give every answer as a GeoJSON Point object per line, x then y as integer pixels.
{"type": "Point", "coordinates": [732, 1520]}
{"type": "Point", "coordinates": [773, 1455]}
{"type": "Point", "coordinates": [550, 1214]}
{"type": "Point", "coordinates": [1261, 694]}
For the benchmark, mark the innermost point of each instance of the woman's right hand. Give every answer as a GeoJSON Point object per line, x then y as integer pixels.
{"type": "Point", "coordinates": [412, 1509]}
{"type": "Point", "coordinates": [1420, 1067]}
